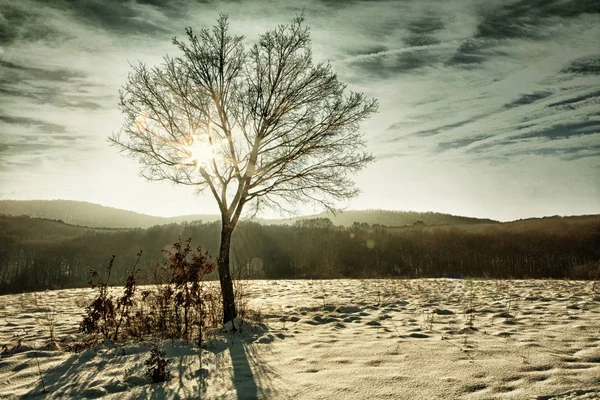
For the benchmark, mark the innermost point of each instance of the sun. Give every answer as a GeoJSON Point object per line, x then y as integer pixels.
{"type": "Point", "coordinates": [200, 152]}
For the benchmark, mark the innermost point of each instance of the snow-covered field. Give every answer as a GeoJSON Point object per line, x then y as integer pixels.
{"type": "Point", "coordinates": [337, 339]}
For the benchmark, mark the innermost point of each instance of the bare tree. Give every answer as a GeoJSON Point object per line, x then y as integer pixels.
{"type": "Point", "coordinates": [257, 127]}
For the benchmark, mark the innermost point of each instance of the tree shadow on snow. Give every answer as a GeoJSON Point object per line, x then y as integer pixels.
{"type": "Point", "coordinates": [250, 375]}
{"type": "Point", "coordinates": [77, 375]}
{"type": "Point", "coordinates": [84, 375]}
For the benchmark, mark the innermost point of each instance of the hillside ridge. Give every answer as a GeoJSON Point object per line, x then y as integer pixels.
{"type": "Point", "coordinates": [98, 216]}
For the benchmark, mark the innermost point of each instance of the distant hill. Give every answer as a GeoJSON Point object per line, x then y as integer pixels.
{"type": "Point", "coordinates": [89, 214]}
{"type": "Point", "coordinates": [94, 215]}
{"type": "Point", "coordinates": [24, 229]}
{"type": "Point", "coordinates": [392, 218]}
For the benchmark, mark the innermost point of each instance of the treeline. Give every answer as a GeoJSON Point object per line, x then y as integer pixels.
{"type": "Point", "coordinates": [38, 254]}
{"type": "Point", "coordinates": [399, 218]}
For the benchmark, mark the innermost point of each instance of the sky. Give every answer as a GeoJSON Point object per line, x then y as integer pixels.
{"type": "Point", "coordinates": [487, 108]}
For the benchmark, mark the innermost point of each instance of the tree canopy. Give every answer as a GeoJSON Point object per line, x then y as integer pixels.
{"type": "Point", "coordinates": [258, 126]}
{"type": "Point", "coordinates": [263, 125]}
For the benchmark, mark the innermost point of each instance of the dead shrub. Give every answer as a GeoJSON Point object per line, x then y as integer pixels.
{"type": "Point", "coordinates": [157, 365]}
{"type": "Point", "coordinates": [100, 314]}
{"type": "Point", "coordinates": [179, 309]}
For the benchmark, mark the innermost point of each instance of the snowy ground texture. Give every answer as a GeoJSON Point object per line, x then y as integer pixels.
{"type": "Point", "coordinates": [337, 339]}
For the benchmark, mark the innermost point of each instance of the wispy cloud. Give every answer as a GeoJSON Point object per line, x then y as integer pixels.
{"type": "Point", "coordinates": [33, 123]}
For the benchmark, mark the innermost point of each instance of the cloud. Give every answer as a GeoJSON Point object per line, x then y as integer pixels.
{"type": "Point", "coordinates": [528, 98]}
{"type": "Point", "coordinates": [388, 63]}
{"type": "Point", "coordinates": [563, 130]}
{"type": "Point", "coordinates": [391, 64]}
{"type": "Point", "coordinates": [61, 87]}
{"type": "Point", "coordinates": [459, 143]}
{"type": "Point", "coordinates": [423, 31]}
{"type": "Point", "coordinates": [45, 95]}
{"type": "Point", "coordinates": [528, 18]}
{"type": "Point", "coordinates": [115, 16]}
{"type": "Point", "coordinates": [523, 19]}
{"type": "Point", "coordinates": [502, 92]}
{"type": "Point", "coordinates": [39, 125]}
{"type": "Point", "coordinates": [340, 4]}
{"type": "Point", "coordinates": [32, 20]}
{"type": "Point", "coordinates": [563, 148]}
{"type": "Point", "coordinates": [19, 23]}
{"type": "Point", "coordinates": [447, 127]}
{"type": "Point", "coordinates": [27, 143]}
{"type": "Point", "coordinates": [589, 65]}
{"type": "Point", "coordinates": [470, 52]}
{"type": "Point", "coordinates": [571, 102]}
{"type": "Point", "coordinates": [13, 71]}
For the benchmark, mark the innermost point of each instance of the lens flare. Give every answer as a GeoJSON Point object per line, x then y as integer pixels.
{"type": "Point", "coordinates": [200, 152]}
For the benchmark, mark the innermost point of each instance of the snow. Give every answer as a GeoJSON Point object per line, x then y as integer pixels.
{"type": "Point", "coordinates": [230, 325]}
{"type": "Point", "coordinates": [344, 339]}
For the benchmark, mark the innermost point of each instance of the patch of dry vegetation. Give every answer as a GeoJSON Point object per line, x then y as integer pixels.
{"type": "Point", "coordinates": [179, 307]}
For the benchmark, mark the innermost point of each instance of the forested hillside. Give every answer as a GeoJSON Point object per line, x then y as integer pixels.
{"type": "Point", "coordinates": [40, 254]}
{"type": "Point", "coordinates": [398, 218]}
{"type": "Point", "coordinates": [94, 215]}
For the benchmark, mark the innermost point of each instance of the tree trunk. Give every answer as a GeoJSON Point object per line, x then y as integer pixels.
{"type": "Point", "coordinates": [229, 311]}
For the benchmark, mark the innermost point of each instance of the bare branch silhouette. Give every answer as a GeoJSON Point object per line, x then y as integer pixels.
{"type": "Point", "coordinates": [263, 125]}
